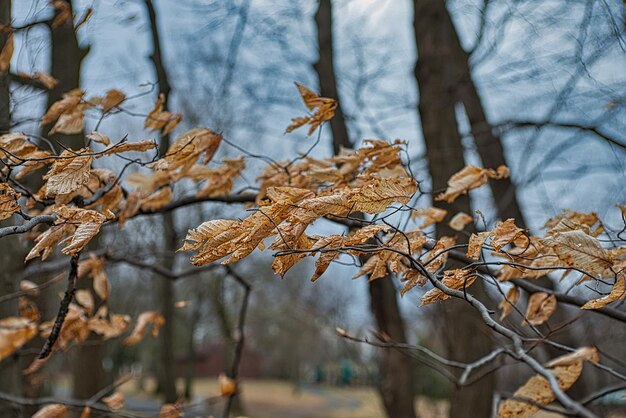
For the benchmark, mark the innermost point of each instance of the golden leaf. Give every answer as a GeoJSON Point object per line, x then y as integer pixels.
{"type": "Point", "coordinates": [70, 122]}
{"type": "Point", "coordinates": [55, 410]}
{"type": "Point", "coordinates": [112, 328]}
{"type": "Point", "coordinates": [8, 201]}
{"type": "Point", "coordinates": [508, 302]}
{"type": "Point", "coordinates": [145, 319]}
{"type": "Point", "coordinates": [324, 110]}
{"type": "Point", "coordinates": [476, 243]}
{"type": "Point", "coordinates": [114, 401]}
{"type": "Point", "coordinates": [221, 179]}
{"type": "Point", "coordinates": [99, 138]}
{"type": "Point", "coordinates": [46, 241]}
{"type": "Point", "coordinates": [378, 194]}
{"type": "Point", "coordinates": [45, 79]}
{"type": "Point", "coordinates": [618, 292]}
{"type": "Point", "coordinates": [85, 299]}
{"type": "Point", "coordinates": [566, 369]}
{"type": "Point", "coordinates": [14, 333]}
{"type": "Point", "coordinates": [577, 249]}
{"type": "Point", "coordinates": [68, 103]}
{"type": "Point", "coordinates": [69, 172]}
{"type": "Point", "coordinates": [29, 288]}
{"type": "Point", "coordinates": [460, 221]}
{"type": "Point", "coordinates": [158, 119]}
{"type": "Point", "coordinates": [157, 200]}
{"type": "Point", "coordinates": [125, 146]}
{"type": "Point", "coordinates": [227, 386]}
{"type": "Point", "coordinates": [171, 410]}
{"type": "Point", "coordinates": [431, 215]}
{"type": "Point", "coordinates": [540, 308]}
{"type": "Point", "coordinates": [86, 412]}
{"type": "Point", "coordinates": [505, 233]}
{"type": "Point", "coordinates": [470, 177]}
{"type": "Point", "coordinates": [111, 99]}
{"type": "Point", "coordinates": [457, 279]}
{"type": "Point", "coordinates": [187, 148]}
{"type": "Point", "coordinates": [63, 13]}
{"type": "Point", "coordinates": [6, 54]}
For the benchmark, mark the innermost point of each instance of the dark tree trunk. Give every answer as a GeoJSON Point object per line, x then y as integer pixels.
{"type": "Point", "coordinates": [396, 386]}
{"type": "Point", "coordinates": [437, 78]}
{"type": "Point", "coordinates": [326, 73]}
{"type": "Point", "coordinates": [66, 57]}
{"type": "Point", "coordinates": [167, 374]}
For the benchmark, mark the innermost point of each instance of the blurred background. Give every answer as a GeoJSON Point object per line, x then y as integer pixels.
{"type": "Point", "coordinates": [537, 85]}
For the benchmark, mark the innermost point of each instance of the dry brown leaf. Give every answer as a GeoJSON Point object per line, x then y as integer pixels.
{"type": "Point", "coordinates": [68, 103]}
{"type": "Point", "coordinates": [171, 410]}
{"type": "Point", "coordinates": [111, 99]}
{"type": "Point", "coordinates": [45, 79]}
{"type": "Point", "coordinates": [470, 177]}
{"type": "Point", "coordinates": [457, 279]}
{"type": "Point", "coordinates": [69, 173]}
{"type": "Point", "coordinates": [126, 146]}
{"type": "Point", "coordinates": [159, 119]}
{"type": "Point", "coordinates": [566, 369]}
{"type": "Point", "coordinates": [113, 327]}
{"type": "Point", "coordinates": [99, 138]}
{"type": "Point", "coordinates": [505, 233]}
{"type": "Point", "coordinates": [114, 401]}
{"type": "Point", "coordinates": [14, 333]}
{"type": "Point", "coordinates": [157, 200]}
{"type": "Point", "coordinates": [378, 194]}
{"type": "Point", "coordinates": [6, 54]}
{"type": "Point", "coordinates": [184, 152]}
{"type": "Point", "coordinates": [46, 241]}
{"type": "Point", "coordinates": [63, 13]}
{"type": "Point", "coordinates": [145, 319]}
{"type": "Point", "coordinates": [476, 243]}
{"type": "Point", "coordinates": [577, 249]}
{"type": "Point", "coordinates": [323, 107]}
{"type": "Point", "coordinates": [8, 201]}
{"type": "Point", "coordinates": [56, 410]}
{"type": "Point", "coordinates": [540, 308]}
{"type": "Point", "coordinates": [86, 413]}
{"type": "Point", "coordinates": [431, 215]}
{"type": "Point", "coordinates": [29, 288]}
{"type": "Point", "coordinates": [618, 292]}
{"type": "Point", "coordinates": [508, 302]}
{"type": "Point", "coordinates": [460, 221]}
{"type": "Point", "coordinates": [227, 386]}
{"type": "Point", "coordinates": [70, 122]}
{"type": "Point", "coordinates": [85, 299]}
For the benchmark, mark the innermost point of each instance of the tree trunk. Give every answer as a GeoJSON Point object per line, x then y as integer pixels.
{"type": "Point", "coordinates": [326, 73]}
{"type": "Point", "coordinates": [437, 78]}
{"type": "Point", "coordinates": [396, 386]}
{"type": "Point", "coordinates": [66, 58]}
{"type": "Point", "coordinates": [167, 374]}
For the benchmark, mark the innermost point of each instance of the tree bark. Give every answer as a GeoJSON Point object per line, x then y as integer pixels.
{"type": "Point", "coordinates": [167, 374]}
{"type": "Point", "coordinates": [396, 386]}
{"type": "Point", "coordinates": [437, 78]}
{"type": "Point", "coordinates": [66, 57]}
{"type": "Point", "coordinates": [325, 70]}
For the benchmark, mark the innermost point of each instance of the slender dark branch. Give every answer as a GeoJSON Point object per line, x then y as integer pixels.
{"type": "Point", "coordinates": [158, 269]}
{"type": "Point", "coordinates": [63, 309]}
{"type": "Point", "coordinates": [513, 124]}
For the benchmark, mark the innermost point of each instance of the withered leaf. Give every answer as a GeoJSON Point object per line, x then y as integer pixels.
{"type": "Point", "coordinates": [540, 308]}
{"type": "Point", "coordinates": [145, 319]}
{"type": "Point", "coordinates": [470, 177]}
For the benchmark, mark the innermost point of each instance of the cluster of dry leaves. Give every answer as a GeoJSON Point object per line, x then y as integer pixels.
{"type": "Point", "coordinates": [292, 195]}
